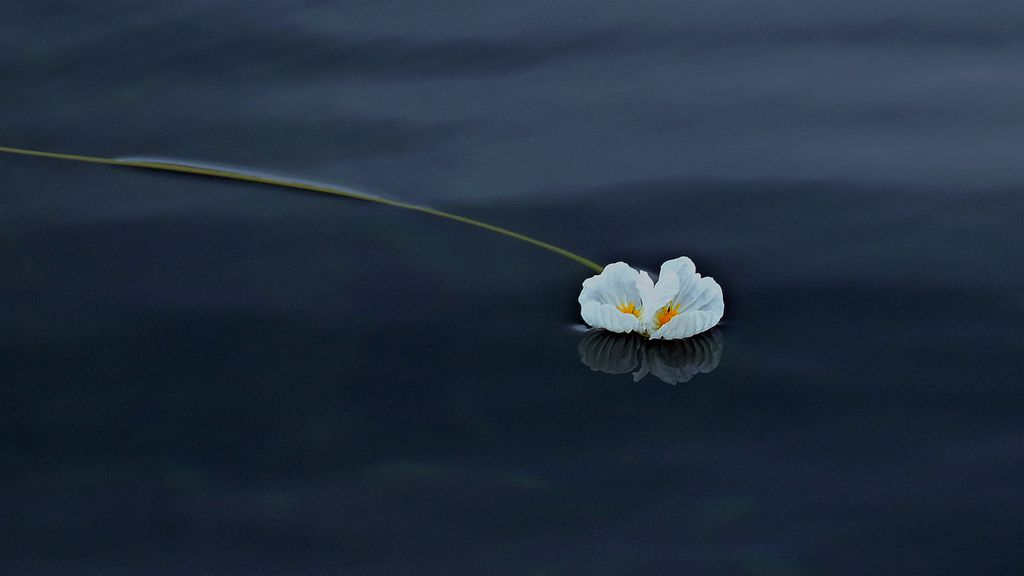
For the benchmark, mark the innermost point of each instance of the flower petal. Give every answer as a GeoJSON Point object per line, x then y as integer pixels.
{"type": "Point", "coordinates": [702, 307]}
{"type": "Point", "coordinates": [687, 324]}
{"type": "Point", "coordinates": [704, 294]}
{"type": "Point", "coordinates": [686, 273]}
{"type": "Point", "coordinates": [616, 285]}
{"type": "Point", "coordinates": [655, 296]}
{"type": "Point", "coordinates": [608, 317]}
{"type": "Point", "coordinates": [682, 267]}
{"type": "Point", "coordinates": [611, 300]}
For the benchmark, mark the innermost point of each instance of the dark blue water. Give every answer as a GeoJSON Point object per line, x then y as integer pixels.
{"type": "Point", "coordinates": [203, 377]}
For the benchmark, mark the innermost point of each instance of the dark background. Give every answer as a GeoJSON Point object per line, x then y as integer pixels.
{"type": "Point", "coordinates": [202, 377]}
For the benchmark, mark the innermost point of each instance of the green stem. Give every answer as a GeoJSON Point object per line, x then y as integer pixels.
{"type": "Point", "coordinates": [296, 185]}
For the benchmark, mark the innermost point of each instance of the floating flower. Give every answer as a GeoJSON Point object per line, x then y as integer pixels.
{"type": "Point", "coordinates": [682, 302]}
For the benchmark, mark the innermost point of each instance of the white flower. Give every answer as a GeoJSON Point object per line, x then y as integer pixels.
{"type": "Point", "coordinates": [679, 305]}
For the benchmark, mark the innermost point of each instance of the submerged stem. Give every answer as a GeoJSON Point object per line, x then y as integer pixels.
{"type": "Point", "coordinates": [309, 187]}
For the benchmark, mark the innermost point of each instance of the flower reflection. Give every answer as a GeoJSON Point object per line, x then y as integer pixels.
{"type": "Point", "coordinates": [672, 361]}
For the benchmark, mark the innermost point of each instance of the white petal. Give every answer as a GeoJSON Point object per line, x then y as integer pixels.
{"type": "Point", "coordinates": [700, 300]}
{"type": "Point", "coordinates": [643, 281]}
{"type": "Point", "coordinates": [658, 295]}
{"type": "Point", "coordinates": [688, 323]}
{"type": "Point", "coordinates": [616, 285]}
{"type": "Point", "coordinates": [704, 294]}
{"type": "Point", "coordinates": [682, 267]}
{"type": "Point", "coordinates": [686, 273]}
{"type": "Point", "coordinates": [608, 317]}
{"type": "Point", "coordinates": [702, 307]}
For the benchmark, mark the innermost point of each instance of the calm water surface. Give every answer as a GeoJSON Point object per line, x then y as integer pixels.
{"type": "Point", "coordinates": [201, 377]}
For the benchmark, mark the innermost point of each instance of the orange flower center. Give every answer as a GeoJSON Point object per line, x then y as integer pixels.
{"type": "Point", "coordinates": [629, 308]}
{"type": "Point", "coordinates": [663, 315]}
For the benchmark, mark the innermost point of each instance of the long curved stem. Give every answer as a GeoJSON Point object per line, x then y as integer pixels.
{"type": "Point", "coordinates": [297, 185]}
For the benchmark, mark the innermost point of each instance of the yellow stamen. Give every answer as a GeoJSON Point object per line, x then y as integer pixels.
{"type": "Point", "coordinates": [663, 315]}
{"type": "Point", "coordinates": [629, 308]}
